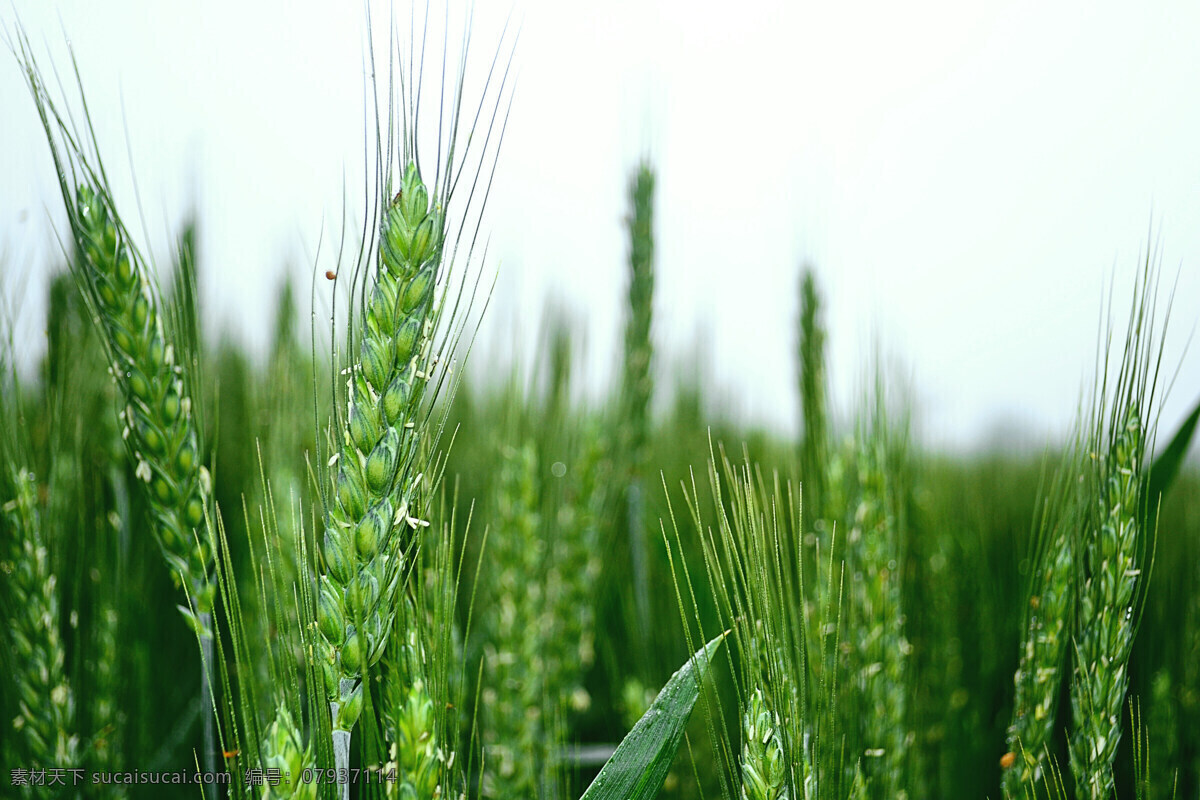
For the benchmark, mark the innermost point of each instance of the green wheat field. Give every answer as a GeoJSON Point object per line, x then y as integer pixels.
{"type": "Point", "coordinates": [345, 569]}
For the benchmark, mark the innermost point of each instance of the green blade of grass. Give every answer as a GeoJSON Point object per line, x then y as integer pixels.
{"type": "Point", "coordinates": [639, 766]}
{"type": "Point", "coordinates": [1166, 466]}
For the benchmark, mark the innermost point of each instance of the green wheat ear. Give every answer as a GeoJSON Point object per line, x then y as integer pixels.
{"type": "Point", "coordinates": [45, 700]}
{"type": "Point", "coordinates": [513, 684]}
{"type": "Point", "coordinates": [159, 421]}
{"type": "Point", "coordinates": [1104, 637]}
{"type": "Point", "coordinates": [159, 425]}
{"type": "Point", "coordinates": [764, 765]}
{"type": "Point", "coordinates": [384, 466]}
{"type": "Point", "coordinates": [375, 492]}
{"type": "Point", "coordinates": [418, 765]}
{"type": "Point", "coordinates": [285, 753]}
{"type": "Point", "coordinates": [814, 449]}
{"type": "Point", "coordinates": [876, 630]}
{"type": "Point", "coordinates": [1047, 630]}
{"type": "Point", "coordinates": [637, 386]}
{"type": "Point", "coordinates": [1113, 547]}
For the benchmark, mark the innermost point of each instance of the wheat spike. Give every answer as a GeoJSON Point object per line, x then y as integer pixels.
{"type": "Point", "coordinates": [877, 620]}
{"type": "Point", "coordinates": [764, 765]}
{"type": "Point", "coordinates": [417, 764]}
{"type": "Point", "coordinates": [1104, 635]}
{"type": "Point", "coordinates": [45, 700]}
{"type": "Point", "coordinates": [159, 424]}
{"type": "Point", "coordinates": [1047, 629]}
{"type": "Point", "coordinates": [285, 754]}
{"type": "Point", "coordinates": [375, 492]}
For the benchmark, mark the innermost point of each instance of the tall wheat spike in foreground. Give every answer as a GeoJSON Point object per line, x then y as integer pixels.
{"type": "Point", "coordinates": [1106, 626]}
{"type": "Point", "coordinates": [373, 491]}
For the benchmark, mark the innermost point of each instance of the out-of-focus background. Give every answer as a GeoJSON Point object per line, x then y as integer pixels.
{"type": "Point", "coordinates": [968, 182]}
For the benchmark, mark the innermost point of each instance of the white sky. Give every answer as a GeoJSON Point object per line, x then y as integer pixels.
{"type": "Point", "coordinates": [967, 178]}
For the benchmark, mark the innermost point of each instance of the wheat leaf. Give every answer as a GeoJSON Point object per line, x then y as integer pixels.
{"type": "Point", "coordinates": [1166, 466]}
{"type": "Point", "coordinates": [639, 766]}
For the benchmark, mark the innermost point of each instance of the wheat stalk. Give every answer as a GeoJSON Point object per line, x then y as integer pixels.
{"type": "Point", "coordinates": [1104, 636]}
{"type": "Point", "coordinates": [284, 753]}
{"type": "Point", "coordinates": [572, 573]}
{"type": "Point", "coordinates": [513, 690]}
{"type": "Point", "coordinates": [1038, 676]}
{"type": "Point", "coordinates": [77, 386]}
{"type": "Point", "coordinates": [418, 764]}
{"type": "Point", "coordinates": [877, 619]}
{"type": "Point", "coordinates": [825, 473]}
{"type": "Point", "coordinates": [755, 572]}
{"type": "Point", "coordinates": [1113, 545]}
{"type": "Point", "coordinates": [638, 381]}
{"type": "Point", "coordinates": [384, 444]}
{"type": "Point", "coordinates": [544, 563]}
{"type": "Point", "coordinates": [159, 424]}
{"type": "Point", "coordinates": [374, 490]}
{"type": "Point", "coordinates": [637, 385]}
{"type": "Point", "coordinates": [814, 451]}
{"type": "Point", "coordinates": [106, 714]}
{"type": "Point", "coordinates": [1047, 628]}
{"type": "Point", "coordinates": [45, 700]}
{"type": "Point", "coordinates": [158, 419]}
{"type": "Point", "coordinates": [764, 764]}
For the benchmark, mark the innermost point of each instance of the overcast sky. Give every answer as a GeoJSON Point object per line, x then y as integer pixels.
{"type": "Point", "coordinates": [967, 179]}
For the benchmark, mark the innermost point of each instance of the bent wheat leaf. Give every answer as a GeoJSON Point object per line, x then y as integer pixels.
{"type": "Point", "coordinates": [639, 766]}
